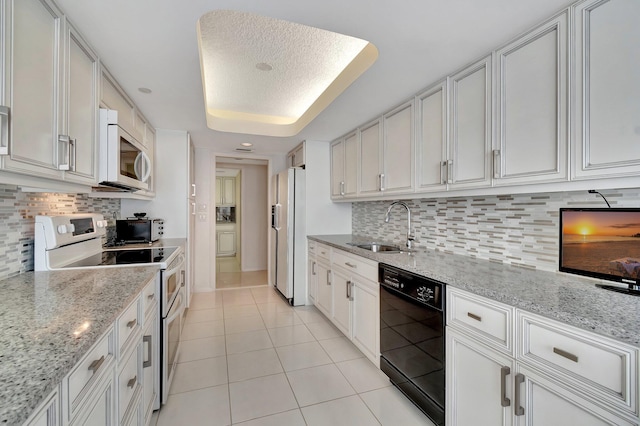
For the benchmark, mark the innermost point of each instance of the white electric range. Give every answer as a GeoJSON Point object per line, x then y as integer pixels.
{"type": "Point", "coordinates": [75, 241]}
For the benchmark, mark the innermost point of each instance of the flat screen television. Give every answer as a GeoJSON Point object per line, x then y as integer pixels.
{"type": "Point", "coordinates": [601, 243]}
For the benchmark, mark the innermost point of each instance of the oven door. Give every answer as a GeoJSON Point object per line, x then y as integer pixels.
{"type": "Point", "coordinates": [172, 281]}
{"type": "Point", "coordinates": [171, 333]}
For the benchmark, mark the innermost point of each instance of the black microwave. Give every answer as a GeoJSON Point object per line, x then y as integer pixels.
{"type": "Point", "coordinates": [136, 230]}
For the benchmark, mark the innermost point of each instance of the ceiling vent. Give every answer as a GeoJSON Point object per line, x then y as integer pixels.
{"type": "Point", "coordinates": [244, 149]}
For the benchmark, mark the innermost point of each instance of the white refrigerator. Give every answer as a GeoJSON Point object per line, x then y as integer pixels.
{"type": "Point", "coordinates": [288, 242]}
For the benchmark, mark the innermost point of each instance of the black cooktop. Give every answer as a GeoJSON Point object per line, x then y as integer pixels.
{"type": "Point", "coordinates": [126, 257]}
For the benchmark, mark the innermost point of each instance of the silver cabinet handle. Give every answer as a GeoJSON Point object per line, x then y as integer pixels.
{"type": "Point", "coordinates": [342, 188]}
{"type": "Point", "coordinates": [72, 154]}
{"type": "Point", "coordinates": [132, 382]}
{"type": "Point", "coordinates": [193, 189]}
{"type": "Point", "coordinates": [504, 372]}
{"type": "Point", "coordinates": [382, 182]}
{"type": "Point", "coordinates": [350, 265]}
{"type": "Point", "coordinates": [450, 171]}
{"type": "Point", "coordinates": [348, 289]}
{"type": "Point", "coordinates": [351, 291]}
{"type": "Point", "coordinates": [95, 365]}
{"type": "Point", "coordinates": [443, 172]}
{"type": "Point", "coordinates": [183, 274]}
{"type": "Point", "coordinates": [132, 323]}
{"type": "Point", "coordinates": [517, 409]}
{"type": "Point", "coordinates": [64, 152]}
{"type": "Point", "coordinates": [496, 163]}
{"type": "Point", "coordinates": [4, 130]}
{"type": "Point", "coordinates": [147, 340]}
{"type": "Point", "coordinates": [474, 316]}
{"type": "Point", "coordinates": [313, 268]}
{"type": "Point", "coordinates": [151, 296]}
{"type": "Point", "coordinates": [565, 354]}
{"type": "Point", "coordinates": [328, 277]}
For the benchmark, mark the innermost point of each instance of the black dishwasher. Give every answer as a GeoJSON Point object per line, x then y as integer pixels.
{"type": "Point", "coordinates": [412, 337]}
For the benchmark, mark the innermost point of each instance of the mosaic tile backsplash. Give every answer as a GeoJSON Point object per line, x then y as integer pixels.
{"type": "Point", "coordinates": [517, 229]}
{"type": "Point", "coordinates": [17, 216]}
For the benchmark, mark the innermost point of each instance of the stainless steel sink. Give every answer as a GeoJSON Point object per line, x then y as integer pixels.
{"type": "Point", "coordinates": [380, 248]}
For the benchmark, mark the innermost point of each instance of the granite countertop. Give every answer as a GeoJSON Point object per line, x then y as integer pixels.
{"type": "Point", "coordinates": [566, 298]}
{"type": "Point", "coordinates": [40, 315]}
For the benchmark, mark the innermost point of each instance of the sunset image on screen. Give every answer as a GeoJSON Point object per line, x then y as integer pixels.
{"type": "Point", "coordinates": [602, 242]}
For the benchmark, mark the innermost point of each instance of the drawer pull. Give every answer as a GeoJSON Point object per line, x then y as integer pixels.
{"type": "Point", "coordinates": [132, 323]}
{"type": "Point", "coordinates": [474, 316]}
{"type": "Point", "coordinates": [567, 355]}
{"type": "Point", "coordinates": [350, 265]}
{"type": "Point", "coordinates": [151, 296]}
{"type": "Point", "coordinates": [132, 382]}
{"type": "Point", "coordinates": [95, 365]}
{"type": "Point", "coordinates": [504, 372]}
{"type": "Point", "coordinates": [517, 409]}
{"type": "Point", "coordinates": [328, 277]}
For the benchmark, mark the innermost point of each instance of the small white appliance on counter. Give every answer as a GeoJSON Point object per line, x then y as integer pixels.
{"type": "Point", "coordinates": [288, 273]}
{"type": "Point", "coordinates": [74, 241]}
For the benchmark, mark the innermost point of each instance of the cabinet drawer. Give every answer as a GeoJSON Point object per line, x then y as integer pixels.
{"type": "Point", "coordinates": [312, 247]}
{"type": "Point", "coordinates": [323, 252]}
{"type": "Point", "coordinates": [87, 372]}
{"type": "Point", "coordinates": [128, 326]}
{"type": "Point", "coordinates": [485, 319]}
{"type": "Point", "coordinates": [356, 264]}
{"type": "Point", "coordinates": [594, 362]}
{"type": "Point", "coordinates": [150, 297]}
{"type": "Point", "coordinates": [129, 379]}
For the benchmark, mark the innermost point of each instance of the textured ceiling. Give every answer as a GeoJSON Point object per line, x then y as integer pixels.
{"type": "Point", "coordinates": [153, 43]}
{"type": "Point", "coordinates": [268, 76]}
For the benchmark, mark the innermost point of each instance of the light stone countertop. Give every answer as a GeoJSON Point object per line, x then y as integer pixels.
{"type": "Point", "coordinates": [163, 242]}
{"type": "Point", "coordinates": [570, 299]}
{"type": "Point", "coordinates": [39, 312]}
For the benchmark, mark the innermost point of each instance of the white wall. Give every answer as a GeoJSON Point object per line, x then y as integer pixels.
{"type": "Point", "coordinates": [171, 185]}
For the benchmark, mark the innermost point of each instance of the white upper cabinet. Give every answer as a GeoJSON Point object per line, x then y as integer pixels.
{"type": "Point", "coordinates": [344, 173]}
{"type": "Point", "coordinates": [531, 131]}
{"type": "Point", "coordinates": [470, 126]}
{"type": "Point", "coordinates": [398, 149]}
{"type": "Point", "coordinates": [431, 141]}
{"type": "Point", "coordinates": [370, 158]}
{"type": "Point", "coordinates": [607, 92]}
{"type": "Point", "coordinates": [80, 122]}
{"type": "Point", "coordinates": [113, 97]}
{"type": "Point", "coordinates": [34, 70]}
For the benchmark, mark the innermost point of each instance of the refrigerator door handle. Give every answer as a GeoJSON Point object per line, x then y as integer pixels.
{"type": "Point", "coordinates": [277, 217]}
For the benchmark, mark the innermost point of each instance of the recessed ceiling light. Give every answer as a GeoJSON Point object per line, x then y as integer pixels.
{"type": "Point", "coordinates": [246, 144]}
{"type": "Point", "coordinates": [144, 90]}
{"type": "Point", "coordinates": [311, 67]}
{"type": "Point", "coordinates": [263, 66]}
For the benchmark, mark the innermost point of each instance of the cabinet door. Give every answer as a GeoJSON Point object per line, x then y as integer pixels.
{"type": "Point", "coordinates": [475, 379]}
{"type": "Point", "coordinates": [81, 108]}
{"type": "Point", "coordinates": [532, 110]}
{"type": "Point", "coordinates": [398, 149]}
{"type": "Point", "coordinates": [324, 291]}
{"type": "Point", "coordinates": [470, 126]}
{"type": "Point", "coordinates": [607, 66]}
{"type": "Point", "coordinates": [370, 159]}
{"type": "Point", "coordinates": [431, 147]}
{"type": "Point", "coordinates": [312, 277]}
{"type": "Point", "coordinates": [351, 165]}
{"type": "Point", "coordinates": [341, 316]}
{"type": "Point", "coordinates": [366, 318]}
{"type": "Point", "coordinates": [150, 366]}
{"type": "Point", "coordinates": [48, 414]}
{"type": "Point", "coordinates": [35, 91]}
{"type": "Point", "coordinates": [100, 410]}
{"type": "Point", "coordinates": [113, 97]}
{"type": "Point", "coordinates": [226, 242]}
{"type": "Point", "coordinates": [229, 191]}
{"type": "Point", "coordinates": [337, 169]}
{"type": "Point", "coordinates": [544, 402]}
{"type": "Point", "coordinates": [218, 191]}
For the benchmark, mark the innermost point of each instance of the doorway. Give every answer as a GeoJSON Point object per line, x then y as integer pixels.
{"type": "Point", "coordinates": [241, 231]}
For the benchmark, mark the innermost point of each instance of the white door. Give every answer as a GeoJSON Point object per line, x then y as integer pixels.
{"type": "Point", "coordinates": [398, 149]}
{"type": "Point", "coordinates": [370, 159]}
{"type": "Point", "coordinates": [323, 290]}
{"type": "Point", "coordinates": [366, 318]}
{"type": "Point", "coordinates": [283, 279]}
{"type": "Point", "coordinates": [351, 165]}
{"type": "Point", "coordinates": [337, 169]}
{"type": "Point", "coordinates": [341, 302]}
{"type": "Point", "coordinates": [431, 144]}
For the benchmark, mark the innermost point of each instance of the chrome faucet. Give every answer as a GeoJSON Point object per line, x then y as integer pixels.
{"type": "Point", "coordinates": [410, 236]}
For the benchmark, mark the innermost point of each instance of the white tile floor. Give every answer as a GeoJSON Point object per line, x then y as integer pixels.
{"type": "Point", "coordinates": [249, 358]}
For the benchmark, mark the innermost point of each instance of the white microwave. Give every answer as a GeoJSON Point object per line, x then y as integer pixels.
{"type": "Point", "coordinates": [124, 164]}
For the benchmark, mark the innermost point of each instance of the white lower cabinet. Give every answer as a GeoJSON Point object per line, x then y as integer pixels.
{"type": "Point", "coordinates": [49, 412]}
{"type": "Point", "coordinates": [556, 375]}
{"type": "Point", "coordinates": [348, 294]}
{"type": "Point", "coordinates": [100, 409]}
{"type": "Point", "coordinates": [150, 360]}
{"type": "Point", "coordinates": [226, 243]}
